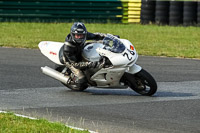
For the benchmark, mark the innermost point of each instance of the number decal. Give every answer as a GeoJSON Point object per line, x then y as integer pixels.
{"type": "Point", "coordinates": [127, 56]}
{"type": "Point", "coordinates": [131, 52]}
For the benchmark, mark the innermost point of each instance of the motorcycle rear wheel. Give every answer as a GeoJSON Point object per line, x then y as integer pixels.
{"type": "Point", "coordinates": [142, 83]}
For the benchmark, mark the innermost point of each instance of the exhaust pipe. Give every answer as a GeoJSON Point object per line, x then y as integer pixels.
{"type": "Point", "coordinates": [55, 74]}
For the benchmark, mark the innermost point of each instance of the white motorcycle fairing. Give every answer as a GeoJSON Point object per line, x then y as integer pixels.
{"type": "Point", "coordinates": [126, 59]}
{"type": "Point", "coordinates": [52, 50]}
{"type": "Point", "coordinates": [122, 62]}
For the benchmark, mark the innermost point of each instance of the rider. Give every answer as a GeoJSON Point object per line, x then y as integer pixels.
{"type": "Point", "coordinates": [74, 43]}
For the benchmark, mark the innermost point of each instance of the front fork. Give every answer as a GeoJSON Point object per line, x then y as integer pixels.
{"type": "Point", "coordinates": [134, 69]}
{"type": "Point", "coordinates": [128, 76]}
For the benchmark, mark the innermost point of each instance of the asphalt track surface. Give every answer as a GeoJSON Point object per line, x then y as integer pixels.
{"type": "Point", "coordinates": [175, 108]}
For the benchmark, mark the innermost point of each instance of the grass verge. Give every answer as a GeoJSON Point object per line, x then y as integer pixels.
{"type": "Point", "coordinates": [148, 39]}
{"type": "Point", "coordinates": [10, 123]}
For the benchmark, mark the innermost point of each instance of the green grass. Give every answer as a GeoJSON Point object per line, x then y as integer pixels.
{"type": "Point", "coordinates": [148, 39]}
{"type": "Point", "coordinates": [10, 123]}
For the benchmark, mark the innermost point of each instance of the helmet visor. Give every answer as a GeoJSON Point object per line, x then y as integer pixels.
{"type": "Point", "coordinates": [79, 36]}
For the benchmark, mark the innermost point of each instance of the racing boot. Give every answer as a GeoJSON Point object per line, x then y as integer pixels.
{"type": "Point", "coordinates": [77, 80]}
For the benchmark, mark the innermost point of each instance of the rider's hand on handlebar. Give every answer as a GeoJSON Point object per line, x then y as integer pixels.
{"type": "Point", "coordinates": [117, 36]}
{"type": "Point", "coordinates": [97, 64]}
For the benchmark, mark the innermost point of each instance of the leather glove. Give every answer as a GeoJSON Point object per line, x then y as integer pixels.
{"type": "Point", "coordinates": [101, 35]}
{"type": "Point", "coordinates": [97, 64]}
{"type": "Point", "coordinates": [117, 36]}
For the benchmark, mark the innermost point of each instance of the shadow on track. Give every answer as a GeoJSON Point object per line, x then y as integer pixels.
{"type": "Point", "coordinates": [129, 92]}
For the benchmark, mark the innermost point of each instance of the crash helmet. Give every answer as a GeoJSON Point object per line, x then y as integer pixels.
{"type": "Point", "coordinates": [78, 33]}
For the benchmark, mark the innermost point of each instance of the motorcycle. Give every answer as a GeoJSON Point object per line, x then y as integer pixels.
{"type": "Point", "coordinates": [120, 69]}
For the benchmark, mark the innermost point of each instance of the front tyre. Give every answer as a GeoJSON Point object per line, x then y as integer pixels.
{"type": "Point", "coordinates": [143, 83]}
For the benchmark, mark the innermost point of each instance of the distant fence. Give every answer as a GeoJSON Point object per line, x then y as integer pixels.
{"type": "Point", "coordinates": [160, 12]}
{"type": "Point", "coordinates": [61, 10]}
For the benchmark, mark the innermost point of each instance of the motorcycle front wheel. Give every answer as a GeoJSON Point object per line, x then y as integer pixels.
{"type": "Point", "coordinates": [142, 83]}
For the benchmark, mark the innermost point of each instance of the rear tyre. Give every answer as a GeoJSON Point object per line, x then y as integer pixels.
{"type": "Point", "coordinates": [60, 68]}
{"type": "Point", "coordinates": [143, 83]}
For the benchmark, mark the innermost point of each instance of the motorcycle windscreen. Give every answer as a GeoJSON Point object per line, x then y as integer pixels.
{"type": "Point", "coordinates": [113, 44]}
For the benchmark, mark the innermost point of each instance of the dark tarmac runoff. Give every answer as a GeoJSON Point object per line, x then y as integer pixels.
{"type": "Point", "coordinates": [175, 108]}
